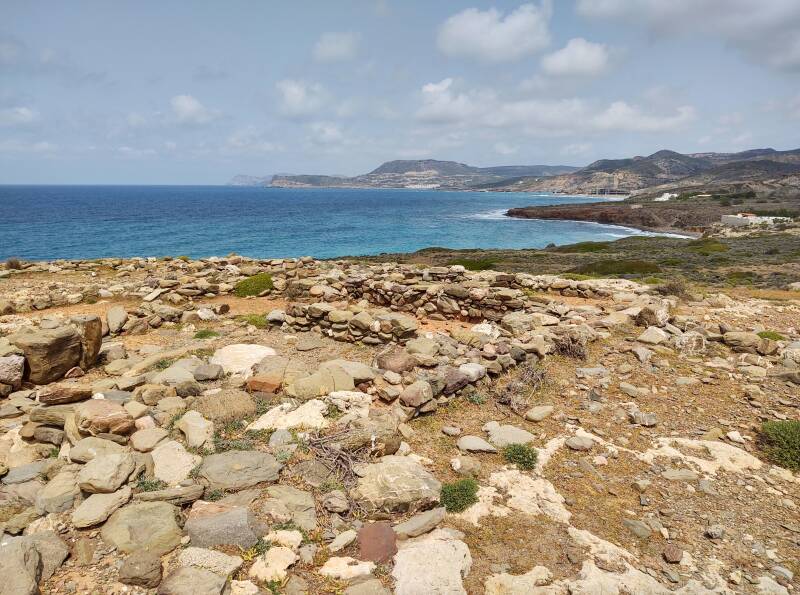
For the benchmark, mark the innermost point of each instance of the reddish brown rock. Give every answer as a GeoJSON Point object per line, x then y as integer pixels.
{"type": "Point", "coordinates": [265, 383]}
{"type": "Point", "coordinates": [58, 394]}
{"type": "Point", "coordinates": [672, 553]}
{"type": "Point", "coordinates": [377, 542]}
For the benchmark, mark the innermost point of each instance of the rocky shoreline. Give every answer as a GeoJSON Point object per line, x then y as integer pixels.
{"type": "Point", "coordinates": [244, 426]}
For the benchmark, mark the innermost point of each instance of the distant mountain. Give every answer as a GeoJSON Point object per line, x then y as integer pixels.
{"type": "Point", "coordinates": [663, 169]}
{"type": "Point", "coordinates": [423, 173]}
{"type": "Point", "coordinates": [243, 180]}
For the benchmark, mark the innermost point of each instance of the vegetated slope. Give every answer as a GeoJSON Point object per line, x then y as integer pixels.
{"type": "Point", "coordinates": [664, 168]}
{"type": "Point", "coordinates": [423, 173]}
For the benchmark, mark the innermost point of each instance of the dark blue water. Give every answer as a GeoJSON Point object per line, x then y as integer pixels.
{"type": "Point", "coordinates": [49, 222]}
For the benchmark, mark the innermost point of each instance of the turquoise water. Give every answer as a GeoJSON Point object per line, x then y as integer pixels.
{"type": "Point", "coordinates": [50, 222]}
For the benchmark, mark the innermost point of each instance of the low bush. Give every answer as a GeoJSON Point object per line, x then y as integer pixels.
{"type": "Point", "coordinates": [521, 455]}
{"type": "Point", "coordinates": [775, 336]}
{"type": "Point", "coordinates": [257, 320]}
{"type": "Point", "coordinates": [676, 287]}
{"type": "Point", "coordinates": [206, 333]}
{"type": "Point", "coordinates": [459, 495]}
{"type": "Point", "coordinates": [707, 246]}
{"type": "Point", "coordinates": [781, 443]}
{"type": "Point", "coordinates": [618, 267]}
{"type": "Point", "coordinates": [14, 264]}
{"type": "Point", "coordinates": [582, 247]}
{"type": "Point", "coordinates": [254, 286]}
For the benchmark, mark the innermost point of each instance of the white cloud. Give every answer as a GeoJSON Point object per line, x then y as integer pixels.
{"type": "Point", "coordinates": [768, 31]}
{"type": "Point", "coordinates": [326, 133]}
{"type": "Point", "coordinates": [188, 110]}
{"type": "Point", "coordinates": [16, 146]}
{"type": "Point", "coordinates": [440, 104]}
{"type": "Point", "coordinates": [444, 106]}
{"type": "Point", "coordinates": [336, 47]}
{"type": "Point", "coordinates": [300, 98]}
{"type": "Point", "coordinates": [493, 37]}
{"type": "Point", "coordinates": [623, 116]}
{"type": "Point", "coordinates": [18, 116]}
{"type": "Point", "coordinates": [502, 148]}
{"type": "Point", "coordinates": [575, 149]}
{"type": "Point", "coordinates": [250, 140]}
{"type": "Point", "coordinates": [578, 58]}
{"type": "Point", "coordinates": [135, 153]}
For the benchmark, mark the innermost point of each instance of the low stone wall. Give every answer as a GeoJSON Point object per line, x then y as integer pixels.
{"type": "Point", "coordinates": [372, 328]}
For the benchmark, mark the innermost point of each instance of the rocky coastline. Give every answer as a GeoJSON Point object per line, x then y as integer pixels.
{"type": "Point", "coordinates": [245, 426]}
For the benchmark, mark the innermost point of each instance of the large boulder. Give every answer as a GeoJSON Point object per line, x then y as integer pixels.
{"type": "Point", "coordinates": [116, 317]}
{"type": "Point", "coordinates": [21, 568]}
{"type": "Point", "coordinates": [49, 353]}
{"type": "Point", "coordinates": [106, 473]}
{"type": "Point", "coordinates": [396, 484]}
{"type": "Point", "coordinates": [413, 572]}
{"type": "Point", "coordinates": [241, 358]}
{"type": "Point", "coordinates": [141, 525]}
{"type": "Point", "coordinates": [90, 329]}
{"type": "Point", "coordinates": [216, 523]}
{"type": "Point", "coordinates": [12, 370]}
{"type": "Point", "coordinates": [239, 469]}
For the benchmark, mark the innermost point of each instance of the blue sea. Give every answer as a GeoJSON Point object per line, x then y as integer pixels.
{"type": "Point", "coordinates": [52, 222]}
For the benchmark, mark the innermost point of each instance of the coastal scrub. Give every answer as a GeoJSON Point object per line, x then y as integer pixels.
{"type": "Point", "coordinates": [782, 443]}
{"type": "Point", "coordinates": [254, 286]}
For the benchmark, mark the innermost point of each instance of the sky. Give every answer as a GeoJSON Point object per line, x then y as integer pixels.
{"type": "Point", "coordinates": [195, 92]}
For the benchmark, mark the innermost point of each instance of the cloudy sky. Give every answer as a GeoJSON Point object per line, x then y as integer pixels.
{"type": "Point", "coordinates": [195, 92]}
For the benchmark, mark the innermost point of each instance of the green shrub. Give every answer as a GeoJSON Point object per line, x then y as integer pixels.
{"type": "Point", "coordinates": [775, 336]}
{"type": "Point", "coordinates": [459, 495]}
{"type": "Point", "coordinates": [707, 246]}
{"type": "Point", "coordinates": [257, 320]}
{"type": "Point", "coordinates": [522, 455]}
{"type": "Point", "coordinates": [582, 247]}
{"type": "Point", "coordinates": [473, 264]}
{"type": "Point", "coordinates": [150, 485]}
{"type": "Point", "coordinates": [255, 285]}
{"type": "Point", "coordinates": [206, 333]}
{"type": "Point", "coordinates": [781, 440]}
{"type": "Point", "coordinates": [618, 267]}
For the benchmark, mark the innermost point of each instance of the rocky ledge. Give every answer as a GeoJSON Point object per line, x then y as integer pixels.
{"type": "Point", "coordinates": [190, 427]}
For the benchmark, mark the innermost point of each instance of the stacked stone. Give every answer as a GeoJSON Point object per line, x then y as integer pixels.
{"type": "Point", "coordinates": [351, 326]}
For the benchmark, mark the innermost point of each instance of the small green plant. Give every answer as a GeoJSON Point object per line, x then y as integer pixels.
{"type": "Point", "coordinates": [781, 442]}
{"type": "Point", "coordinates": [254, 286]}
{"type": "Point", "coordinates": [150, 484]}
{"type": "Point", "coordinates": [521, 455]}
{"type": "Point", "coordinates": [582, 247]}
{"type": "Point", "coordinates": [256, 320]}
{"type": "Point", "coordinates": [707, 246]}
{"type": "Point", "coordinates": [473, 264]}
{"type": "Point", "coordinates": [214, 495]}
{"type": "Point", "coordinates": [459, 495]}
{"type": "Point", "coordinates": [184, 258]}
{"type": "Point", "coordinates": [260, 547]}
{"type": "Point", "coordinates": [206, 333]}
{"type": "Point", "coordinates": [330, 484]}
{"type": "Point", "coordinates": [163, 364]}
{"type": "Point", "coordinates": [775, 336]}
{"type": "Point", "coordinates": [618, 267]}
{"type": "Point", "coordinates": [476, 398]}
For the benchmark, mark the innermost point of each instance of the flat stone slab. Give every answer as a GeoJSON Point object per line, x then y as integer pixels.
{"type": "Point", "coordinates": [474, 444]}
{"type": "Point", "coordinates": [239, 469]}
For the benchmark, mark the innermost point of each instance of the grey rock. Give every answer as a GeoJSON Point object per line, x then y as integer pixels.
{"type": "Point", "coordinates": [474, 444]}
{"type": "Point", "coordinates": [299, 504]}
{"type": "Point", "coordinates": [638, 528]}
{"type": "Point", "coordinates": [50, 353]}
{"type": "Point", "coordinates": [21, 568]}
{"type": "Point", "coordinates": [143, 525]}
{"type": "Point", "coordinates": [142, 569]}
{"type": "Point", "coordinates": [420, 523]}
{"type": "Point", "coordinates": [396, 484]}
{"type": "Point", "coordinates": [215, 523]}
{"type": "Point", "coordinates": [579, 443]}
{"type": "Point", "coordinates": [193, 581]}
{"type": "Point", "coordinates": [239, 469]}
{"type": "Point", "coordinates": [502, 436]}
